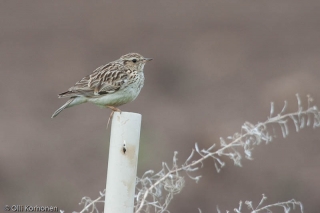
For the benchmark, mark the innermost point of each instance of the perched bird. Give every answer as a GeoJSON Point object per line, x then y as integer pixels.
{"type": "Point", "coordinates": [111, 85]}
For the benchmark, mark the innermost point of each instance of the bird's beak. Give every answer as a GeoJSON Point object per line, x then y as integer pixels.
{"type": "Point", "coordinates": [148, 59]}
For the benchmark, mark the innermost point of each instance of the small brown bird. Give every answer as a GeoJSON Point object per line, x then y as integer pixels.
{"type": "Point", "coordinates": [111, 85]}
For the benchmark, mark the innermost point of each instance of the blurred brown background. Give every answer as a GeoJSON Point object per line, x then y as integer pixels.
{"type": "Point", "coordinates": [216, 65]}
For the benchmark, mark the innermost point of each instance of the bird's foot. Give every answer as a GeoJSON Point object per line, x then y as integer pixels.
{"type": "Point", "coordinates": [115, 109]}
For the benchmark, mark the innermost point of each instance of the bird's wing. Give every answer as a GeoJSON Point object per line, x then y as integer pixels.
{"type": "Point", "coordinates": [104, 80]}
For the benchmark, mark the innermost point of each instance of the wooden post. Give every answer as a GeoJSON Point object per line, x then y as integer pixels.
{"type": "Point", "coordinates": [122, 163]}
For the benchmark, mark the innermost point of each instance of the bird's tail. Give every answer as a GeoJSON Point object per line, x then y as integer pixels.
{"type": "Point", "coordinates": [62, 107]}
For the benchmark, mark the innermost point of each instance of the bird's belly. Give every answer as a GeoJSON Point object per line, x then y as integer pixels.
{"type": "Point", "coordinates": [118, 98]}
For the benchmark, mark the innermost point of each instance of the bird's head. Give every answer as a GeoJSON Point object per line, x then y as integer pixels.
{"type": "Point", "coordinates": [134, 61]}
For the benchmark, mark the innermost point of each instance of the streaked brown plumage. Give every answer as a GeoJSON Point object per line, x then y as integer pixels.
{"type": "Point", "coordinates": [110, 85]}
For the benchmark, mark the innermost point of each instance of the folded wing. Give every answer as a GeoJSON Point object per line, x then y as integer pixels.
{"type": "Point", "coordinates": [104, 80]}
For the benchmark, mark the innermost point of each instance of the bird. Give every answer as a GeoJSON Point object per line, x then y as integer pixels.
{"type": "Point", "coordinates": [111, 85]}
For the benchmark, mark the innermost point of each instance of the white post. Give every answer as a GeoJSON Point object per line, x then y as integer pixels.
{"type": "Point", "coordinates": [122, 163]}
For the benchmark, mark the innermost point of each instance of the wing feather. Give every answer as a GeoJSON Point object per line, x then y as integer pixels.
{"type": "Point", "coordinates": [105, 79]}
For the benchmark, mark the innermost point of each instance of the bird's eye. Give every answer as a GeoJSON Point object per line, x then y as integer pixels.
{"type": "Point", "coordinates": [134, 60]}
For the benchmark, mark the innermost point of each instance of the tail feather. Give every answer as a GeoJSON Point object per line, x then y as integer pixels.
{"type": "Point", "coordinates": [62, 107]}
{"type": "Point", "coordinates": [67, 94]}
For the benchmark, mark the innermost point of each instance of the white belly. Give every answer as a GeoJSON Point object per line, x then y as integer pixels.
{"type": "Point", "coordinates": [118, 98]}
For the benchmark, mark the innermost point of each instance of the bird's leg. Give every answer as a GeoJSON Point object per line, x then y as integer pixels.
{"type": "Point", "coordinates": [111, 115]}
{"type": "Point", "coordinates": [114, 109]}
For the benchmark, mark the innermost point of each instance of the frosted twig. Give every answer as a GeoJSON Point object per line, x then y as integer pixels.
{"type": "Point", "coordinates": [249, 136]}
